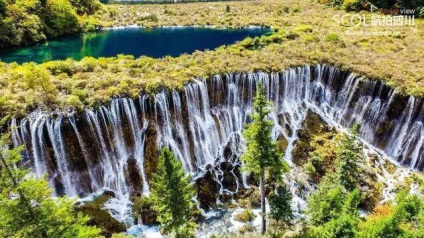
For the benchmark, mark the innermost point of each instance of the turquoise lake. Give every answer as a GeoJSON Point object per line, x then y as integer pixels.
{"type": "Point", "coordinates": [156, 42]}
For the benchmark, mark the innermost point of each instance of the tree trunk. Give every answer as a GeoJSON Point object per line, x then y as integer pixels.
{"type": "Point", "coordinates": [263, 209]}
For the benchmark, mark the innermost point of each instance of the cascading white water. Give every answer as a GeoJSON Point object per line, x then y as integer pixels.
{"type": "Point", "coordinates": [203, 125]}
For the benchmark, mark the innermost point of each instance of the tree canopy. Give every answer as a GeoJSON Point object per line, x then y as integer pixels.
{"type": "Point", "coordinates": [171, 196]}
{"type": "Point", "coordinates": [27, 207]}
{"type": "Point", "coordinates": [262, 155]}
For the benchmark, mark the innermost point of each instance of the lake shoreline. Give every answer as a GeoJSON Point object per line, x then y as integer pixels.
{"type": "Point", "coordinates": [164, 41]}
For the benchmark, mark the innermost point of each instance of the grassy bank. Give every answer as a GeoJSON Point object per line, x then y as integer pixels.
{"type": "Point", "coordinates": [305, 33]}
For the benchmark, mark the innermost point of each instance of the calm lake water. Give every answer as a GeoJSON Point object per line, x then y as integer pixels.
{"type": "Point", "coordinates": [157, 42]}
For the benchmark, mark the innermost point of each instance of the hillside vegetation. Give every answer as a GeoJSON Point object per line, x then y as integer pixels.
{"type": "Point", "coordinates": [24, 22]}
{"type": "Point", "coordinates": [304, 32]}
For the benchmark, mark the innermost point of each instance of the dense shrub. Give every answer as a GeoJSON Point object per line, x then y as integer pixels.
{"type": "Point", "coordinates": [332, 37]}
{"type": "Point", "coordinates": [61, 17]}
{"type": "Point", "coordinates": [24, 22]}
{"type": "Point", "coordinates": [86, 6]}
{"type": "Point", "coordinates": [245, 216]}
{"type": "Point", "coordinates": [354, 5]}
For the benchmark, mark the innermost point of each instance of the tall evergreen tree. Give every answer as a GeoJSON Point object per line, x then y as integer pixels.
{"type": "Point", "coordinates": [171, 196]}
{"type": "Point", "coordinates": [27, 208]}
{"type": "Point", "coordinates": [349, 156]}
{"type": "Point", "coordinates": [262, 154]}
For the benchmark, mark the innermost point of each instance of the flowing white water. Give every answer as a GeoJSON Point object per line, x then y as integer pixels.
{"type": "Point", "coordinates": [203, 125]}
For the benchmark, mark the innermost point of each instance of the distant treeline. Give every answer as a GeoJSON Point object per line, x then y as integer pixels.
{"type": "Point", "coordinates": [24, 22]}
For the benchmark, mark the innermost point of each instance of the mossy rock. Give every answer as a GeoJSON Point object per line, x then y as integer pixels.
{"type": "Point", "coordinates": [282, 143]}
{"type": "Point", "coordinates": [207, 190]}
{"type": "Point", "coordinates": [151, 154]}
{"type": "Point", "coordinates": [371, 190]}
{"type": "Point", "coordinates": [311, 126]}
{"type": "Point", "coordinates": [143, 211]}
{"type": "Point", "coordinates": [249, 198]}
{"type": "Point", "coordinates": [246, 215]}
{"type": "Point", "coordinates": [100, 217]}
{"type": "Point", "coordinates": [390, 167]}
{"type": "Point", "coordinates": [246, 229]}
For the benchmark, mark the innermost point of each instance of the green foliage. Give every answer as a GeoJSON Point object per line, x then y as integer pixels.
{"type": "Point", "coordinates": [262, 152]}
{"type": "Point", "coordinates": [354, 5]}
{"type": "Point", "coordinates": [280, 205]}
{"type": "Point", "coordinates": [333, 3]}
{"type": "Point", "coordinates": [24, 22]}
{"type": "Point", "coordinates": [245, 216]}
{"type": "Point", "coordinates": [326, 202]}
{"type": "Point", "coordinates": [403, 218]}
{"type": "Point", "coordinates": [332, 37]}
{"type": "Point", "coordinates": [321, 159]}
{"type": "Point", "coordinates": [171, 196]}
{"type": "Point", "coordinates": [343, 226]}
{"type": "Point", "coordinates": [121, 235]}
{"type": "Point", "coordinates": [349, 156]}
{"type": "Point", "coordinates": [332, 211]}
{"type": "Point", "coordinates": [296, 9]}
{"type": "Point", "coordinates": [27, 208]}
{"type": "Point", "coordinates": [86, 6]}
{"type": "Point", "coordinates": [101, 78]}
{"type": "Point", "coordinates": [36, 83]}
{"type": "Point", "coordinates": [61, 17]}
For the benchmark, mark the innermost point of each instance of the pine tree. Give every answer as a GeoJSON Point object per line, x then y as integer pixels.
{"type": "Point", "coordinates": [27, 208]}
{"type": "Point", "coordinates": [262, 154]}
{"type": "Point", "coordinates": [280, 206]}
{"type": "Point", "coordinates": [349, 155]}
{"type": "Point", "coordinates": [171, 196]}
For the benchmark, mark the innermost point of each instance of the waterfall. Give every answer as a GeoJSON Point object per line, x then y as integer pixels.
{"type": "Point", "coordinates": [105, 148]}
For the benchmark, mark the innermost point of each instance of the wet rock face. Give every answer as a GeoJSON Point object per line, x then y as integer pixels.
{"type": "Point", "coordinates": [143, 211]}
{"type": "Point", "coordinates": [202, 123]}
{"type": "Point", "coordinates": [100, 217]}
{"type": "Point", "coordinates": [249, 198]}
{"type": "Point", "coordinates": [132, 174]}
{"type": "Point", "coordinates": [207, 190]}
{"type": "Point", "coordinates": [282, 144]}
{"type": "Point", "coordinates": [151, 154]}
{"type": "Point", "coordinates": [229, 180]}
